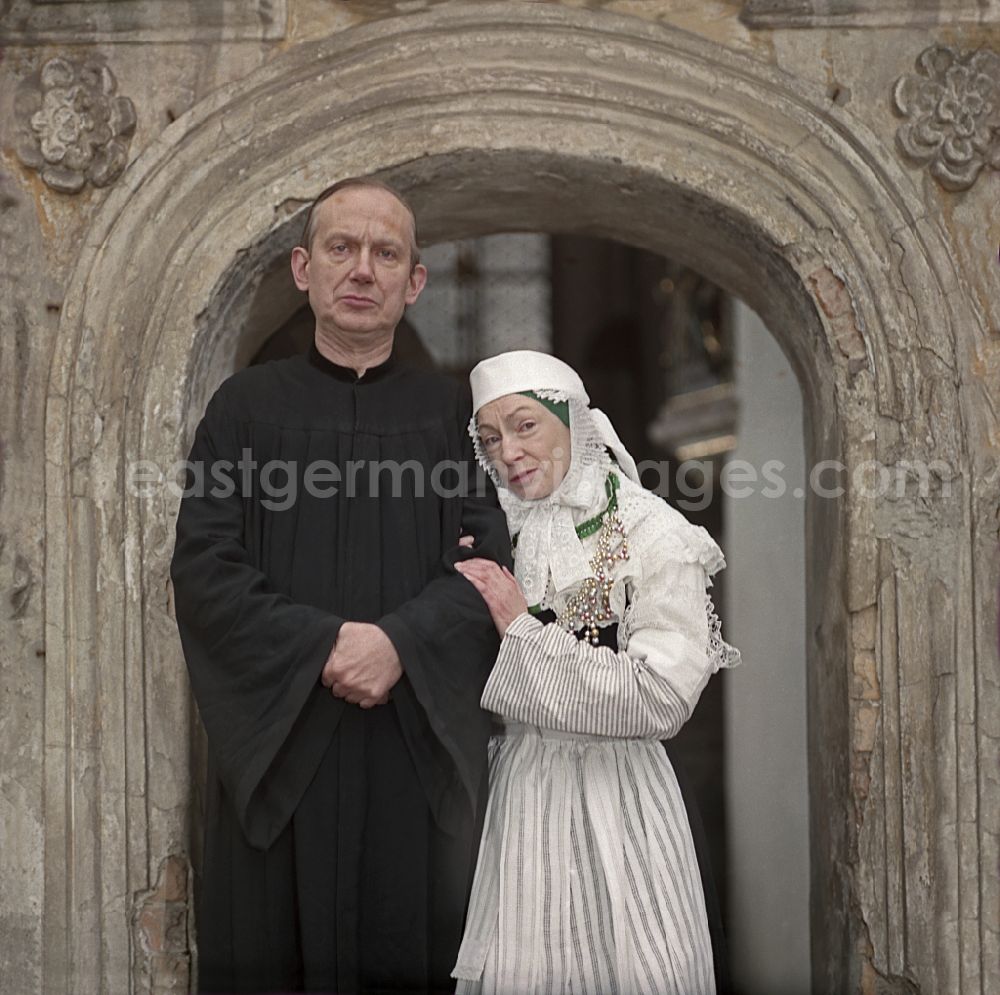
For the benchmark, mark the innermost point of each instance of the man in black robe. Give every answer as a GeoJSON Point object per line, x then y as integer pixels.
{"type": "Point", "coordinates": [336, 657]}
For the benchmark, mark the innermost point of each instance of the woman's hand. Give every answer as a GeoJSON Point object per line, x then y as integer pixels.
{"type": "Point", "coordinates": [499, 589]}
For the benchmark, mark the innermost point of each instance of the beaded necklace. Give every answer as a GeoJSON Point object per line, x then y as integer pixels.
{"type": "Point", "coordinates": [591, 605]}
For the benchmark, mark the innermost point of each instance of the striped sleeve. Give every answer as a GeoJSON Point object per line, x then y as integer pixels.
{"type": "Point", "coordinates": [545, 676]}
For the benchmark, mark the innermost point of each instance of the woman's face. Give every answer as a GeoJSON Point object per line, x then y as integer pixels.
{"type": "Point", "coordinates": [527, 444]}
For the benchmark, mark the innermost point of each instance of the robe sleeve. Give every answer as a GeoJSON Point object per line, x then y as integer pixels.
{"type": "Point", "coordinates": [547, 677]}
{"type": "Point", "coordinates": [254, 656]}
{"type": "Point", "coordinates": [446, 641]}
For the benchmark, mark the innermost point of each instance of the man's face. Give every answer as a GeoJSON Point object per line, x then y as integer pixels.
{"type": "Point", "coordinates": [357, 270]}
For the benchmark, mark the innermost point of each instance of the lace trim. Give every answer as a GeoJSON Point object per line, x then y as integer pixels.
{"type": "Point", "coordinates": [722, 655]}
{"type": "Point", "coordinates": [550, 394]}
{"type": "Point", "coordinates": [591, 525]}
{"type": "Point", "coordinates": [673, 537]}
{"type": "Point", "coordinates": [668, 532]}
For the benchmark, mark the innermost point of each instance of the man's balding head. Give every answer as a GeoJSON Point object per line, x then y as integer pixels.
{"type": "Point", "coordinates": [364, 182]}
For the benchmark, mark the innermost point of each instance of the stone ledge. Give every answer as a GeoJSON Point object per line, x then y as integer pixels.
{"type": "Point", "coordinates": [772, 14]}
{"type": "Point", "coordinates": [38, 22]}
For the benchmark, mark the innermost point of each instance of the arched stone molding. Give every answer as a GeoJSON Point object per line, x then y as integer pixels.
{"type": "Point", "coordinates": [495, 116]}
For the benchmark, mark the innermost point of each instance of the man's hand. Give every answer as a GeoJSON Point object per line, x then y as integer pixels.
{"type": "Point", "coordinates": [363, 666]}
{"type": "Point", "coordinates": [498, 587]}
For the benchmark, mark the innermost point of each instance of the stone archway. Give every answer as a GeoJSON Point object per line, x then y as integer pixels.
{"type": "Point", "coordinates": [554, 119]}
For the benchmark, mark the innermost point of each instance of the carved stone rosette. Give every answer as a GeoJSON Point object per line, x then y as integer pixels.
{"type": "Point", "coordinates": [72, 125]}
{"type": "Point", "coordinates": [952, 107]}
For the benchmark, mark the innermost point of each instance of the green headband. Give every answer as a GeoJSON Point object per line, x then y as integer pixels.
{"type": "Point", "coordinates": [559, 408]}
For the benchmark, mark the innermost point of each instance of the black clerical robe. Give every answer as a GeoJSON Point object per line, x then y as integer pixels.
{"type": "Point", "coordinates": [339, 841]}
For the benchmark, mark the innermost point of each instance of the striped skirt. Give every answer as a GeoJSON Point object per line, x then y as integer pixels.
{"type": "Point", "coordinates": [587, 880]}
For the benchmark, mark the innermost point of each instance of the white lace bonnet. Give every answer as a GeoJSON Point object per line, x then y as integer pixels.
{"type": "Point", "coordinates": [550, 378]}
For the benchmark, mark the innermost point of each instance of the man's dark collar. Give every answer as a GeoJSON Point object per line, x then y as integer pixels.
{"type": "Point", "coordinates": [347, 373]}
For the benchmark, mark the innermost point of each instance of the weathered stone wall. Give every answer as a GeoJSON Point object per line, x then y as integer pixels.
{"type": "Point", "coordinates": [27, 327]}
{"type": "Point", "coordinates": [765, 155]}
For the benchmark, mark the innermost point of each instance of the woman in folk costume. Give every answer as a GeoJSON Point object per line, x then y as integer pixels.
{"type": "Point", "coordinates": [587, 880]}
